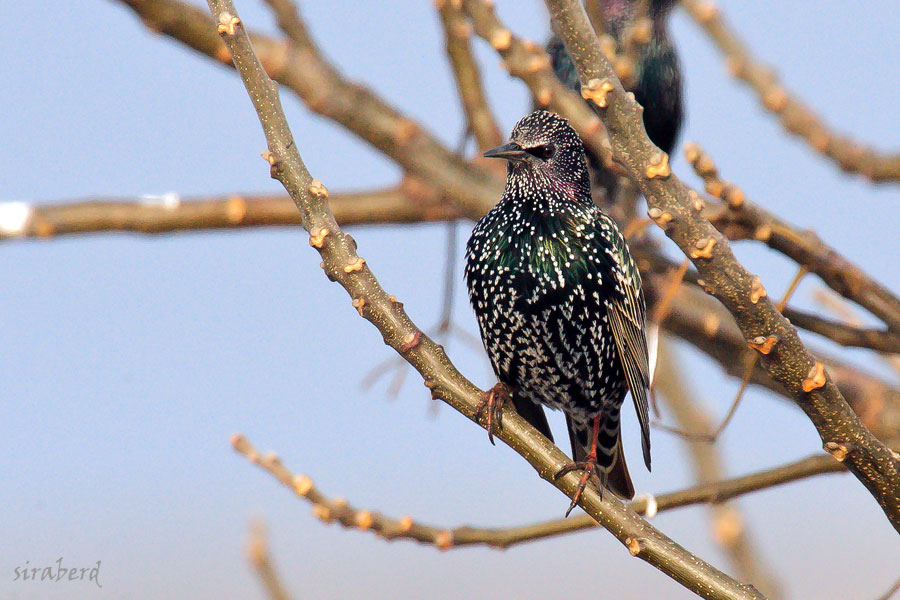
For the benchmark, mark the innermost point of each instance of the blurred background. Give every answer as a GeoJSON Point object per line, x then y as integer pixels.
{"type": "Point", "coordinates": [126, 362]}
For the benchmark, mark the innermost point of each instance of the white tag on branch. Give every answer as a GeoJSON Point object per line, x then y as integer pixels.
{"type": "Point", "coordinates": [169, 200]}
{"type": "Point", "coordinates": [14, 218]}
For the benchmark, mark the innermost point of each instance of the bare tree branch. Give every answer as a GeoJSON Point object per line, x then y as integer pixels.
{"type": "Point", "coordinates": [409, 202]}
{"type": "Point", "coordinates": [342, 264]}
{"type": "Point", "coordinates": [338, 510]}
{"type": "Point", "coordinates": [673, 207]}
{"type": "Point", "coordinates": [738, 218]}
{"type": "Point", "coordinates": [795, 116]}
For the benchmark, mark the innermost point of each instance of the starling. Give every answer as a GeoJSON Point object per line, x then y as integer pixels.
{"type": "Point", "coordinates": [658, 86]}
{"type": "Point", "coordinates": [559, 302]}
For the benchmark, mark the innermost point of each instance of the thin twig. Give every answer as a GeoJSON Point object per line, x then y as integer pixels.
{"type": "Point", "coordinates": [851, 336]}
{"type": "Point", "coordinates": [342, 264]}
{"type": "Point", "coordinates": [893, 590]}
{"type": "Point", "coordinates": [795, 117]}
{"type": "Point", "coordinates": [673, 207]}
{"type": "Point", "coordinates": [761, 345]}
{"type": "Point", "coordinates": [338, 510]}
{"type": "Point", "coordinates": [258, 553]}
{"type": "Point", "coordinates": [661, 310]}
{"type": "Point", "coordinates": [729, 529]}
{"type": "Point", "coordinates": [703, 322]}
{"type": "Point", "coordinates": [845, 312]}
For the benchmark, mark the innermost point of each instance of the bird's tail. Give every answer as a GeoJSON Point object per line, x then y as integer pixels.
{"type": "Point", "coordinates": [610, 454]}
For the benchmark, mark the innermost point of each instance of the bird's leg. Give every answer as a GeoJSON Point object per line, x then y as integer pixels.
{"type": "Point", "coordinates": [492, 402]}
{"type": "Point", "coordinates": [588, 466]}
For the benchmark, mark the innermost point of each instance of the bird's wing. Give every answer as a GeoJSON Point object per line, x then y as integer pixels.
{"type": "Point", "coordinates": [627, 318]}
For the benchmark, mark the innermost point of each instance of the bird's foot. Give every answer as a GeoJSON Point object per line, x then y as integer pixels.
{"type": "Point", "coordinates": [492, 403]}
{"type": "Point", "coordinates": [589, 467]}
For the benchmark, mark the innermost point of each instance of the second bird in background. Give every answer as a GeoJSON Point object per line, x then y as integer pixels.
{"type": "Point", "coordinates": [657, 76]}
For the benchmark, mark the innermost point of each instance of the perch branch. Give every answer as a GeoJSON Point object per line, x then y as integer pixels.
{"type": "Point", "coordinates": [338, 510]}
{"type": "Point", "coordinates": [672, 206]}
{"type": "Point", "coordinates": [342, 264]}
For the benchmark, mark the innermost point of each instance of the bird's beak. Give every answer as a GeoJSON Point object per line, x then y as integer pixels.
{"type": "Point", "coordinates": [510, 151]}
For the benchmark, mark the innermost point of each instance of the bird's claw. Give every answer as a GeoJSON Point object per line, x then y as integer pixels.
{"type": "Point", "coordinates": [492, 403]}
{"type": "Point", "coordinates": [588, 467]}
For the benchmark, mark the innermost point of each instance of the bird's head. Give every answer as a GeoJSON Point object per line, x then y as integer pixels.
{"type": "Point", "coordinates": [543, 147]}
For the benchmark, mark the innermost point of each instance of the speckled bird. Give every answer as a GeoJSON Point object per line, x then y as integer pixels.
{"type": "Point", "coordinates": [658, 81]}
{"type": "Point", "coordinates": [559, 302]}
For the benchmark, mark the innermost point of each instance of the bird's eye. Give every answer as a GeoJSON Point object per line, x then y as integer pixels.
{"type": "Point", "coordinates": [543, 151]}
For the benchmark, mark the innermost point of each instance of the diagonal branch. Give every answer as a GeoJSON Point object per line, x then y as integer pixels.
{"type": "Point", "coordinates": [795, 116]}
{"type": "Point", "coordinates": [342, 264]}
{"type": "Point", "coordinates": [338, 510]}
{"type": "Point", "coordinates": [673, 207]}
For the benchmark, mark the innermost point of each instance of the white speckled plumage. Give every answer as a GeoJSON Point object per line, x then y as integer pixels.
{"type": "Point", "coordinates": [555, 288]}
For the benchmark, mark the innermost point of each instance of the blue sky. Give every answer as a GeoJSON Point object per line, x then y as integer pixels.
{"type": "Point", "coordinates": [127, 362]}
